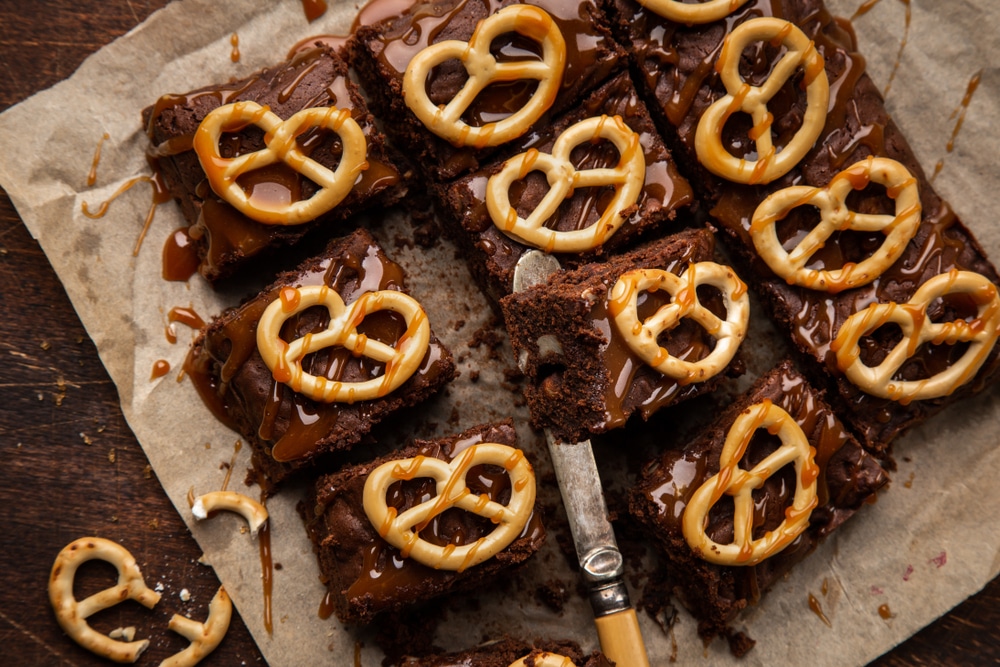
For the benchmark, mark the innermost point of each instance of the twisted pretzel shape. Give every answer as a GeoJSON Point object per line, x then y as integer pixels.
{"type": "Point", "coordinates": [641, 336]}
{"type": "Point", "coordinates": [483, 70]}
{"type": "Point", "coordinates": [281, 146]}
{"type": "Point", "coordinates": [285, 359]}
{"type": "Point", "coordinates": [403, 531]}
{"type": "Point", "coordinates": [980, 333]}
{"type": "Point", "coordinates": [741, 96]}
{"type": "Point", "coordinates": [693, 14]}
{"type": "Point", "coordinates": [739, 483]}
{"type": "Point", "coordinates": [898, 229]}
{"type": "Point", "coordinates": [627, 177]}
{"type": "Point", "coordinates": [72, 615]}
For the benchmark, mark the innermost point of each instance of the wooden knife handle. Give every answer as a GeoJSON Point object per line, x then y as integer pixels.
{"type": "Point", "coordinates": [621, 639]}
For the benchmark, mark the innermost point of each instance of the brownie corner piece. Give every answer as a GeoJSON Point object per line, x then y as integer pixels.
{"type": "Point", "coordinates": [226, 239]}
{"type": "Point", "coordinates": [366, 575]}
{"type": "Point", "coordinates": [288, 429]}
{"type": "Point", "coordinates": [846, 478]}
{"type": "Point", "coordinates": [582, 375]}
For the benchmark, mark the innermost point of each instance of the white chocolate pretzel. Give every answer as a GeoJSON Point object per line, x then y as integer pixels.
{"type": "Point", "coordinates": [742, 97]}
{"type": "Point", "coordinates": [248, 508]}
{"type": "Point", "coordinates": [918, 329]}
{"type": "Point", "coordinates": [483, 69]}
{"type": "Point", "coordinates": [401, 359]}
{"type": "Point", "coordinates": [693, 13]}
{"type": "Point", "coordinates": [204, 637]}
{"type": "Point", "coordinates": [627, 178]}
{"type": "Point", "coordinates": [545, 659]}
{"type": "Point", "coordinates": [831, 201]}
{"type": "Point", "coordinates": [282, 146]}
{"type": "Point", "coordinates": [403, 531]}
{"type": "Point", "coordinates": [641, 336]}
{"type": "Point", "coordinates": [72, 615]}
{"type": "Point", "coordinates": [740, 484]}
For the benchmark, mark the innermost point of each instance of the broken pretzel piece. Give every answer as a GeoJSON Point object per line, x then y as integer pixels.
{"type": "Point", "coordinates": [248, 508]}
{"type": "Point", "coordinates": [204, 637]}
{"type": "Point", "coordinates": [72, 615]}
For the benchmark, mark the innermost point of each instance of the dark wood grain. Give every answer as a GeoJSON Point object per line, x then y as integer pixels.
{"type": "Point", "coordinates": [70, 465]}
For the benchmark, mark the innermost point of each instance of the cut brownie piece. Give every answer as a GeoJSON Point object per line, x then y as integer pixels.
{"type": "Point", "coordinates": [847, 478]}
{"type": "Point", "coordinates": [506, 652]}
{"type": "Point", "coordinates": [492, 255]}
{"type": "Point", "coordinates": [381, 53]}
{"type": "Point", "coordinates": [583, 377]}
{"type": "Point", "coordinates": [678, 67]}
{"type": "Point", "coordinates": [366, 575]}
{"type": "Point", "coordinates": [225, 237]}
{"type": "Point", "coordinates": [285, 428]}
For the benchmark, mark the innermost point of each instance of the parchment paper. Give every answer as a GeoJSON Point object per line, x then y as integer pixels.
{"type": "Point", "coordinates": [928, 543]}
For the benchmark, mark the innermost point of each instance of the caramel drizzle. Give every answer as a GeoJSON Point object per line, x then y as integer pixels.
{"type": "Point", "coordinates": [867, 7]}
{"type": "Point", "coordinates": [160, 195]}
{"type": "Point", "coordinates": [234, 53]}
{"type": "Point", "coordinates": [959, 113]}
{"type": "Point", "coordinates": [92, 174]}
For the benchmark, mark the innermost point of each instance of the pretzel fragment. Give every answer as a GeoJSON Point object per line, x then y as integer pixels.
{"type": "Point", "coordinates": [980, 333]}
{"type": "Point", "coordinates": [403, 531]}
{"type": "Point", "coordinates": [693, 14]}
{"type": "Point", "coordinates": [483, 70]}
{"type": "Point", "coordinates": [742, 97]}
{"type": "Point", "coordinates": [641, 336]}
{"type": "Point", "coordinates": [740, 484]}
{"type": "Point", "coordinates": [248, 508]}
{"type": "Point", "coordinates": [72, 615]}
{"type": "Point", "coordinates": [627, 178]}
{"type": "Point", "coordinates": [831, 201]}
{"type": "Point", "coordinates": [204, 637]}
{"type": "Point", "coordinates": [281, 146]}
{"type": "Point", "coordinates": [545, 659]}
{"type": "Point", "coordinates": [401, 359]}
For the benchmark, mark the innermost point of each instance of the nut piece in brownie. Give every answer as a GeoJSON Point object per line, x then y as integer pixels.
{"type": "Point", "coordinates": [450, 503]}
{"type": "Point", "coordinates": [332, 387]}
{"type": "Point", "coordinates": [853, 225]}
{"type": "Point", "coordinates": [643, 330]}
{"type": "Point", "coordinates": [648, 207]}
{"type": "Point", "coordinates": [807, 488]}
{"type": "Point", "coordinates": [557, 74]}
{"type": "Point", "coordinates": [510, 652]}
{"type": "Point", "coordinates": [227, 236]}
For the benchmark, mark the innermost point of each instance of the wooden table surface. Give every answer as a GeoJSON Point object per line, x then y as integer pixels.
{"type": "Point", "coordinates": [69, 465]}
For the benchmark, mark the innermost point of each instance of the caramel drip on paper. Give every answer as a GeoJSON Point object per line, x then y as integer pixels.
{"type": "Point", "coordinates": [232, 462]}
{"type": "Point", "coordinates": [864, 9]}
{"type": "Point", "coordinates": [959, 113]}
{"type": "Point", "coordinates": [160, 195]}
{"type": "Point", "coordinates": [92, 174]}
{"type": "Point", "coordinates": [160, 368]}
{"type": "Point", "coordinates": [234, 54]}
{"type": "Point", "coordinates": [817, 609]}
{"type": "Point", "coordinates": [313, 9]}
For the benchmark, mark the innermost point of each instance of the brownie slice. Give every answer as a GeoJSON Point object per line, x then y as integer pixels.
{"type": "Point", "coordinates": [492, 255]}
{"type": "Point", "coordinates": [505, 652]}
{"type": "Point", "coordinates": [367, 576]}
{"type": "Point", "coordinates": [225, 237]}
{"type": "Point", "coordinates": [582, 377]}
{"type": "Point", "coordinates": [677, 66]}
{"type": "Point", "coordinates": [848, 477]}
{"type": "Point", "coordinates": [286, 429]}
{"type": "Point", "coordinates": [380, 54]}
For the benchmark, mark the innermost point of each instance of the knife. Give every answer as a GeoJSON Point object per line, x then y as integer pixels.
{"type": "Point", "coordinates": [597, 550]}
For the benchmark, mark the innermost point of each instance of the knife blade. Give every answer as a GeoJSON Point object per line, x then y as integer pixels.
{"type": "Point", "coordinates": [601, 561]}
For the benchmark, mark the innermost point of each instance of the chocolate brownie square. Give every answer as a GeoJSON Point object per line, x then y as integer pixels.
{"type": "Point", "coordinates": [381, 53]}
{"type": "Point", "coordinates": [680, 72]}
{"type": "Point", "coordinates": [227, 238]}
{"type": "Point", "coordinates": [366, 575]}
{"type": "Point", "coordinates": [506, 652]}
{"type": "Point", "coordinates": [664, 195]}
{"type": "Point", "coordinates": [844, 477]}
{"type": "Point", "coordinates": [583, 375]}
{"type": "Point", "coordinates": [287, 428]}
